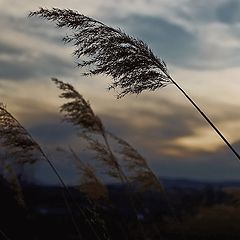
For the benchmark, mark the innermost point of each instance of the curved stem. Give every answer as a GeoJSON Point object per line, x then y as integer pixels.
{"type": "Point", "coordinates": [207, 119]}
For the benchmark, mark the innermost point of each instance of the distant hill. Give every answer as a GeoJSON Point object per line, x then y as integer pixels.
{"type": "Point", "coordinates": [196, 184]}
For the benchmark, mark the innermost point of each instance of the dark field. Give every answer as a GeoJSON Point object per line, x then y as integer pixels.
{"type": "Point", "coordinates": [190, 210]}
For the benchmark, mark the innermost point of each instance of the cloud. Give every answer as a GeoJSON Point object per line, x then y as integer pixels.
{"type": "Point", "coordinates": [187, 34]}
{"type": "Point", "coordinates": [32, 50]}
{"type": "Point", "coordinates": [9, 49]}
{"type": "Point", "coordinates": [152, 133]}
{"type": "Point", "coordinates": [207, 165]}
{"type": "Point", "coordinates": [26, 66]}
{"type": "Point", "coordinates": [174, 123]}
{"type": "Point", "coordinates": [229, 12]}
{"type": "Point", "coordinates": [53, 132]}
{"type": "Point", "coordinates": [151, 129]}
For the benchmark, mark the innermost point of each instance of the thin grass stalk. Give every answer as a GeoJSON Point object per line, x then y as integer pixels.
{"type": "Point", "coordinates": [207, 119]}
{"type": "Point", "coordinates": [122, 176]}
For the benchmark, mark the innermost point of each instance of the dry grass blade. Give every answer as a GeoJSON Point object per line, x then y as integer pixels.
{"type": "Point", "coordinates": [129, 61]}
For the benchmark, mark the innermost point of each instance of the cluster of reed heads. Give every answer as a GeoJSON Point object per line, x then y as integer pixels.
{"type": "Point", "coordinates": [115, 157]}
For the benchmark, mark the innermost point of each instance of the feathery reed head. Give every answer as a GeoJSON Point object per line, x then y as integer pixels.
{"type": "Point", "coordinates": [16, 140]}
{"type": "Point", "coordinates": [103, 154]}
{"type": "Point", "coordinates": [78, 111]}
{"type": "Point", "coordinates": [129, 61]}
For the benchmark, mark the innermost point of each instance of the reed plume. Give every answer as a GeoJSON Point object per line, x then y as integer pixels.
{"type": "Point", "coordinates": [89, 123]}
{"type": "Point", "coordinates": [136, 164]}
{"type": "Point", "coordinates": [16, 140]}
{"type": "Point", "coordinates": [129, 61]}
{"type": "Point", "coordinates": [102, 149]}
{"type": "Point", "coordinates": [78, 111]}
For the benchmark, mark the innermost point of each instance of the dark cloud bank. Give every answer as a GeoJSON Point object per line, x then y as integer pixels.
{"type": "Point", "coordinates": [19, 62]}
{"type": "Point", "coordinates": [151, 142]}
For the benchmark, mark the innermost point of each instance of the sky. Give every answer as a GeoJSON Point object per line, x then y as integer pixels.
{"type": "Point", "coordinates": [199, 41]}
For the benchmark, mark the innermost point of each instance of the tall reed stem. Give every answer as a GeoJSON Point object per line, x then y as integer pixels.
{"type": "Point", "coordinates": [206, 118]}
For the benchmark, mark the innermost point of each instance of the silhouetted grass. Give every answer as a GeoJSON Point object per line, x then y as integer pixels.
{"type": "Point", "coordinates": [78, 111]}
{"type": "Point", "coordinates": [19, 149]}
{"type": "Point", "coordinates": [129, 61]}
